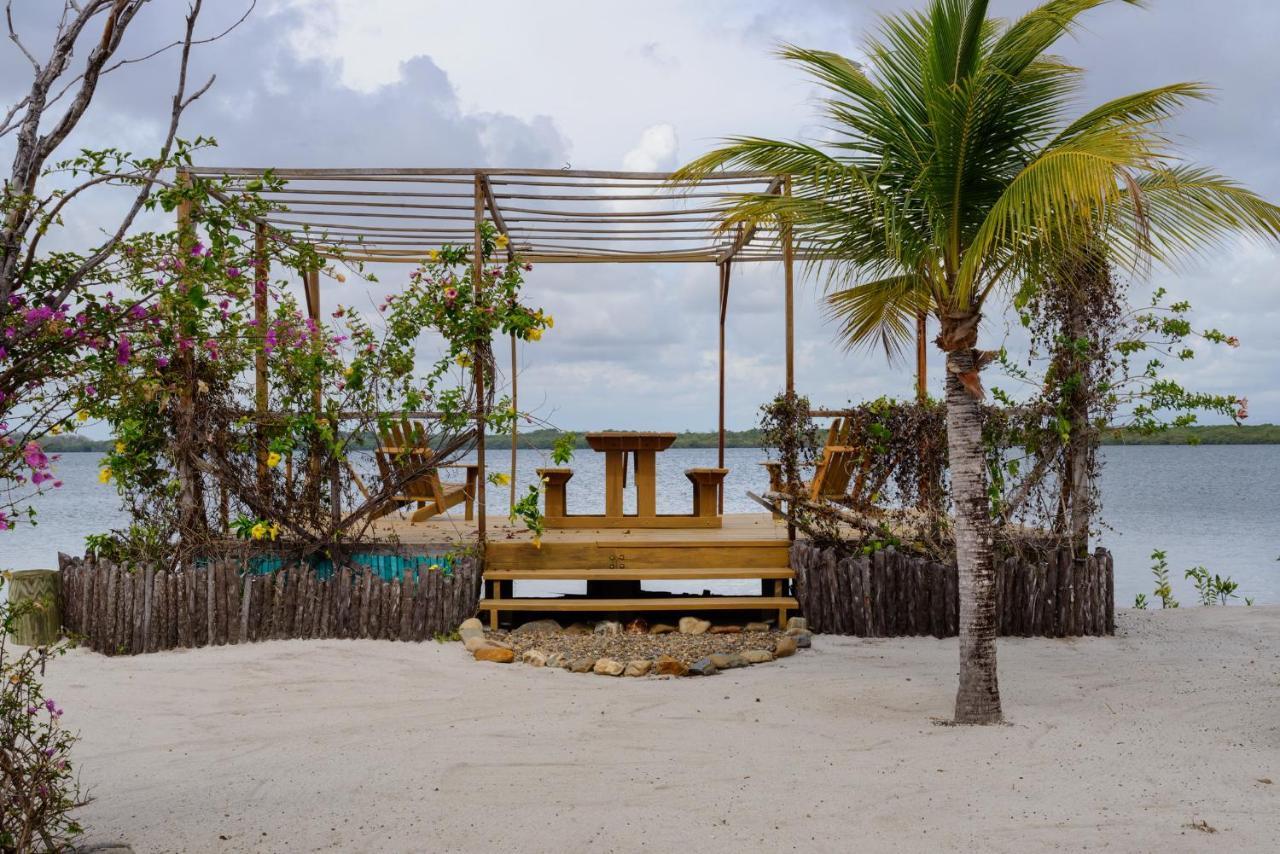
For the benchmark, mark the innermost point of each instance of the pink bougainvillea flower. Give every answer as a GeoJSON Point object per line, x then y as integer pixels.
{"type": "Point", "coordinates": [197, 249]}
{"type": "Point", "coordinates": [124, 350]}
{"type": "Point", "coordinates": [233, 272]}
{"type": "Point", "coordinates": [162, 361]}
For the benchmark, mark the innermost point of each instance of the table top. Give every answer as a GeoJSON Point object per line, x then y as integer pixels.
{"type": "Point", "coordinates": [629, 440]}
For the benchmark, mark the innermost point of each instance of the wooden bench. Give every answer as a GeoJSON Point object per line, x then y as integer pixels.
{"type": "Point", "coordinates": [405, 458]}
{"type": "Point", "coordinates": [556, 482]}
{"type": "Point", "coordinates": [707, 484]}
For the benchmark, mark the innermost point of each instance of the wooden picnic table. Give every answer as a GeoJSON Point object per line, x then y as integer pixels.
{"type": "Point", "coordinates": [615, 445]}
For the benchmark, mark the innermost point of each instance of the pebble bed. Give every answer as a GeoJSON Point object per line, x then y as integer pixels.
{"type": "Point", "coordinates": [628, 647]}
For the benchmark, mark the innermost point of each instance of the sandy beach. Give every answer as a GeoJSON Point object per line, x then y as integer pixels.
{"type": "Point", "coordinates": [1120, 744]}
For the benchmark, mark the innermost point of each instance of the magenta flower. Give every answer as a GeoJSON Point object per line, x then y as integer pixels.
{"type": "Point", "coordinates": [233, 272]}
{"type": "Point", "coordinates": [162, 361]}
{"type": "Point", "coordinates": [124, 350]}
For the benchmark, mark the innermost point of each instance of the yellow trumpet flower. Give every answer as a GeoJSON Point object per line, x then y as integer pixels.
{"type": "Point", "coordinates": [434, 255]}
{"type": "Point", "coordinates": [82, 415]}
{"type": "Point", "coordinates": [501, 241]}
{"type": "Point", "coordinates": [551, 322]}
{"type": "Point", "coordinates": [502, 478]}
{"type": "Point", "coordinates": [273, 459]}
{"type": "Point", "coordinates": [104, 476]}
{"type": "Point", "coordinates": [258, 531]}
{"type": "Point", "coordinates": [535, 334]}
{"type": "Point", "coordinates": [119, 447]}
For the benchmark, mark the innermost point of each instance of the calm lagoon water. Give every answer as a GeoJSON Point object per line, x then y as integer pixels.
{"type": "Point", "coordinates": [1216, 506]}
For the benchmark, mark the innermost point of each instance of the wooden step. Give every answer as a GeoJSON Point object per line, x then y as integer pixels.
{"type": "Point", "coordinates": [599, 554]}
{"type": "Point", "coordinates": [671, 573]}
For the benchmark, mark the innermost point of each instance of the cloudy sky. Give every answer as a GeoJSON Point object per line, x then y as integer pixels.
{"type": "Point", "coordinates": [647, 86]}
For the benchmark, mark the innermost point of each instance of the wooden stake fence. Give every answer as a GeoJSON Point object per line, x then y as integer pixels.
{"type": "Point", "coordinates": [891, 594]}
{"type": "Point", "coordinates": [126, 612]}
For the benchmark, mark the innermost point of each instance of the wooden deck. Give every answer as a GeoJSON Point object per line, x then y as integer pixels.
{"type": "Point", "coordinates": [746, 546]}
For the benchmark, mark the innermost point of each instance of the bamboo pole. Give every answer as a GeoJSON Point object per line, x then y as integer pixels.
{"type": "Point", "coordinates": [515, 419]}
{"type": "Point", "coordinates": [922, 361]}
{"type": "Point", "coordinates": [788, 263]}
{"type": "Point", "coordinates": [477, 366]}
{"type": "Point", "coordinates": [311, 279]}
{"type": "Point", "coordinates": [724, 309]}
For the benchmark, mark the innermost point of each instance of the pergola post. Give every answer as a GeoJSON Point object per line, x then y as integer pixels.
{"type": "Point", "coordinates": [788, 265]}
{"type": "Point", "coordinates": [724, 308]}
{"type": "Point", "coordinates": [922, 358]}
{"type": "Point", "coordinates": [311, 284]}
{"type": "Point", "coordinates": [261, 277]}
{"type": "Point", "coordinates": [477, 366]}
{"type": "Point", "coordinates": [515, 419]}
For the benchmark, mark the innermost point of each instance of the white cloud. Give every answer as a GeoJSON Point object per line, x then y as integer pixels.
{"type": "Point", "coordinates": [655, 152]}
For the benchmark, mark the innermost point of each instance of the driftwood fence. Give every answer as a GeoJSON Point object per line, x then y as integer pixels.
{"type": "Point", "coordinates": [125, 612]}
{"type": "Point", "coordinates": [889, 594]}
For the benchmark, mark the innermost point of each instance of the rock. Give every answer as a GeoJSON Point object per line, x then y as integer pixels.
{"type": "Point", "coordinates": [693, 626]}
{"type": "Point", "coordinates": [661, 629]}
{"type": "Point", "coordinates": [538, 627]}
{"type": "Point", "coordinates": [785, 646]}
{"type": "Point", "coordinates": [470, 629]}
{"type": "Point", "coordinates": [727, 660]}
{"type": "Point", "coordinates": [557, 659]}
{"type": "Point", "coordinates": [757, 656]}
{"type": "Point", "coordinates": [795, 633]}
{"type": "Point", "coordinates": [582, 665]}
{"type": "Point", "coordinates": [797, 623]}
{"type": "Point", "coordinates": [803, 641]}
{"type": "Point", "coordinates": [757, 627]}
{"type": "Point", "coordinates": [534, 658]}
{"type": "Point", "coordinates": [473, 643]}
{"type": "Point", "coordinates": [577, 629]}
{"type": "Point", "coordinates": [668, 666]}
{"type": "Point", "coordinates": [495, 653]}
{"type": "Point", "coordinates": [703, 667]}
{"type": "Point", "coordinates": [726, 630]}
{"type": "Point", "coordinates": [608, 627]}
{"type": "Point", "coordinates": [639, 667]}
{"type": "Point", "coordinates": [638, 626]}
{"type": "Point", "coordinates": [608, 667]}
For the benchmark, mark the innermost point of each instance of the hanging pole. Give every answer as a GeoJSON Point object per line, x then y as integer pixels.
{"type": "Point", "coordinates": [922, 361]}
{"type": "Point", "coordinates": [477, 368]}
{"type": "Point", "coordinates": [724, 309]}
{"type": "Point", "coordinates": [788, 263]}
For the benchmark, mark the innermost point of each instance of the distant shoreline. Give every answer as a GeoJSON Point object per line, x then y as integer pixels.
{"type": "Point", "coordinates": [1210, 434]}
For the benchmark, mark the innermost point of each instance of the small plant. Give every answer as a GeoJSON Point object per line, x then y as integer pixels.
{"type": "Point", "coordinates": [447, 637]}
{"type": "Point", "coordinates": [38, 790]}
{"type": "Point", "coordinates": [562, 449]}
{"type": "Point", "coordinates": [1164, 589]}
{"type": "Point", "coordinates": [1140, 601]}
{"type": "Point", "coordinates": [248, 528]}
{"type": "Point", "coordinates": [526, 510]}
{"type": "Point", "coordinates": [1212, 589]}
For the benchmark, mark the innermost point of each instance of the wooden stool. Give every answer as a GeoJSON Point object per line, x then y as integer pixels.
{"type": "Point", "coordinates": [555, 481]}
{"type": "Point", "coordinates": [707, 483]}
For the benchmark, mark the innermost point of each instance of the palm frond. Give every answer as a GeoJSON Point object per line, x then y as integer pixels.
{"type": "Point", "coordinates": [882, 312]}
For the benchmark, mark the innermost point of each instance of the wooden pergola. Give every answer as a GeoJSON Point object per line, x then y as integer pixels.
{"type": "Point", "coordinates": [550, 216]}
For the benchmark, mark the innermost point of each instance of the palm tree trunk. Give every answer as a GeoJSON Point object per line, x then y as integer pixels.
{"type": "Point", "coordinates": [978, 698]}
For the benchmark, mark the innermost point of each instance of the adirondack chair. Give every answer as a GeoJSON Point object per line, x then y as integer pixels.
{"type": "Point", "coordinates": [833, 471]}
{"type": "Point", "coordinates": [404, 457]}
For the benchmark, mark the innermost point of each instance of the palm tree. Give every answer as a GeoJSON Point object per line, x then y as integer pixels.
{"type": "Point", "coordinates": [954, 171]}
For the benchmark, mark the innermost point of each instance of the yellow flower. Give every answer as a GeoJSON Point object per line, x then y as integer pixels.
{"type": "Point", "coordinates": [82, 415]}
{"type": "Point", "coordinates": [551, 322]}
{"type": "Point", "coordinates": [463, 360]}
{"type": "Point", "coordinates": [257, 531]}
{"type": "Point", "coordinates": [537, 542]}
{"type": "Point", "coordinates": [535, 334]}
{"type": "Point", "coordinates": [347, 371]}
{"type": "Point", "coordinates": [119, 447]}
{"type": "Point", "coordinates": [502, 478]}
{"type": "Point", "coordinates": [434, 255]}
{"type": "Point", "coordinates": [273, 530]}
{"type": "Point", "coordinates": [104, 476]}
{"type": "Point", "coordinates": [273, 459]}
{"type": "Point", "coordinates": [501, 241]}
{"type": "Point", "coordinates": [55, 429]}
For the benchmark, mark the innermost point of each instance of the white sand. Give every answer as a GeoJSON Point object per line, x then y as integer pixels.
{"type": "Point", "coordinates": [1118, 744]}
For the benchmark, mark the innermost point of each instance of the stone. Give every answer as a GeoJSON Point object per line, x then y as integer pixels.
{"type": "Point", "coordinates": [481, 642]}
{"type": "Point", "coordinates": [638, 626]}
{"type": "Point", "coordinates": [661, 629]}
{"type": "Point", "coordinates": [757, 627]}
{"type": "Point", "coordinates": [608, 627]}
{"type": "Point", "coordinates": [582, 665]}
{"type": "Point", "coordinates": [703, 667]}
{"type": "Point", "coordinates": [795, 633]}
{"type": "Point", "coordinates": [727, 660]}
{"type": "Point", "coordinates": [668, 666]}
{"type": "Point", "coordinates": [608, 667]}
{"type": "Point", "coordinates": [757, 656]}
{"type": "Point", "coordinates": [639, 667]}
{"type": "Point", "coordinates": [471, 628]}
{"type": "Point", "coordinates": [785, 646]}
{"type": "Point", "coordinates": [726, 630]}
{"type": "Point", "coordinates": [557, 659]}
{"type": "Point", "coordinates": [538, 627]}
{"type": "Point", "coordinates": [803, 641]}
{"type": "Point", "coordinates": [495, 653]}
{"type": "Point", "coordinates": [534, 658]}
{"type": "Point", "coordinates": [797, 623]}
{"type": "Point", "coordinates": [693, 626]}
{"type": "Point", "coordinates": [577, 629]}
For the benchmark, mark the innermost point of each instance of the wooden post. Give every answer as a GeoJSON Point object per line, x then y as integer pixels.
{"type": "Point", "coordinates": [515, 418]}
{"type": "Point", "coordinates": [477, 368]}
{"type": "Point", "coordinates": [311, 280]}
{"type": "Point", "coordinates": [261, 277]}
{"type": "Point", "coordinates": [788, 264]}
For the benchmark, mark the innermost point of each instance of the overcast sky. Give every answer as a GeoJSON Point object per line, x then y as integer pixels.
{"type": "Point", "coordinates": [648, 86]}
